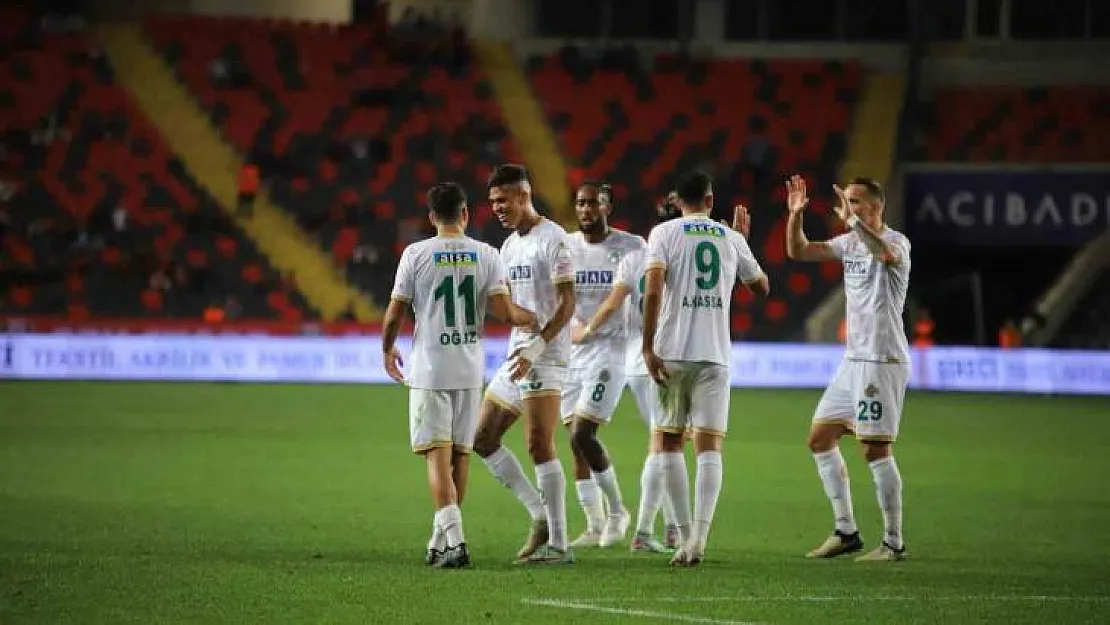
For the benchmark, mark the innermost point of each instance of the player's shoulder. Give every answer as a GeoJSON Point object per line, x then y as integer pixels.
{"type": "Point", "coordinates": [629, 241]}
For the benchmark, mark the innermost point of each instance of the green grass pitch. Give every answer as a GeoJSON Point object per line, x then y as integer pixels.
{"type": "Point", "coordinates": [198, 503]}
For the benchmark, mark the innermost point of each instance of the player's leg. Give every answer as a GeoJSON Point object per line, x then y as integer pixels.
{"type": "Point", "coordinates": [668, 441]}
{"type": "Point", "coordinates": [709, 412]}
{"type": "Point", "coordinates": [540, 394]}
{"type": "Point", "coordinates": [878, 420]}
{"type": "Point", "coordinates": [596, 405]}
{"type": "Point", "coordinates": [651, 499]}
{"type": "Point", "coordinates": [499, 411]}
{"type": "Point", "coordinates": [833, 418]}
{"type": "Point", "coordinates": [589, 495]}
{"type": "Point", "coordinates": [430, 436]}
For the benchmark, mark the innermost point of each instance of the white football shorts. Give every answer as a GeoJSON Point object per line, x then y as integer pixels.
{"type": "Point", "coordinates": [646, 394]}
{"type": "Point", "coordinates": [696, 396]}
{"type": "Point", "coordinates": [593, 389]}
{"type": "Point", "coordinates": [443, 418]}
{"type": "Point", "coordinates": [541, 380]}
{"type": "Point", "coordinates": [866, 397]}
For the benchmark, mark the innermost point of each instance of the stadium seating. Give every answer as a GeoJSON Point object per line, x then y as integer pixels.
{"type": "Point", "coordinates": [1020, 125]}
{"type": "Point", "coordinates": [1089, 324]}
{"type": "Point", "coordinates": [76, 149]}
{"type": "Point", "coordinates": [633, 122]}
{"type": "Point", "coordinates": [349, 125]}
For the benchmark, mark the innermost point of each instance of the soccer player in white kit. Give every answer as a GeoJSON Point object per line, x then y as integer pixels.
{"type": "Point", "coordinates": [541, 279]}
{"type": "Point", "coordinates": [630, 281]}
{"type": "Point", "coordinates": [447, 281]}
{"type": "Point", "coordinates": [596, 377]}
{"type": "Point", "coordinates": [867, 392]}
{"type": "Point", "coordinates": [693, 265]}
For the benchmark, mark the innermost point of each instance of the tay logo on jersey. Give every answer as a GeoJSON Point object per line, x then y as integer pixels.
{"type": "Point", "coordinates": [520, 272]}
{"type": "Point", "coordinates": [856, 268]}
{"type": "Point", "coordinates": [455, 259]}
{"type": "Point", "coordinates": [604, 277]}
{"type": "Point", "coordinates": [707, 229]}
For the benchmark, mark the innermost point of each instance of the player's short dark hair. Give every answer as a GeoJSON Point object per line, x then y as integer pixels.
{"type": "Point", "coordinates": [507, 174]}
{"type": "Point", "coordinates": [694, 187]}
{"type": "Point", "coordinates": [874, 189]}
{"type": "Point", "coordinates": [446, 201]}
{"type": "Point", "coordinates": [603, 188]}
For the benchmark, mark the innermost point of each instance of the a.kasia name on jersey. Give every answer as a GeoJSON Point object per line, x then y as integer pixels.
{"type": "Point", "coordinates": [703, 301]}
{"type": "Point", "coordinates": [520, 272]}
{"type": "Point", "coordinates": [600, 278]}
{"type": "Point", "coordinates": [707, 229]}
{"type": "Point", "coordinates": [856, 268]}
{"type": "Point", "coordinates": [455, 259]}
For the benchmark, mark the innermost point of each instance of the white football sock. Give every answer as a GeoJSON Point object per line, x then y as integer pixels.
{"type": "Point", "coordinates": [668, 508]}
{"type": "Point", "coordinates": [506, 468]}
{"type": "Point", "coordinates": [676, 481]}
{"type": "Point", "coordinates": [834, 475]}
{"type": "Point", "coordinates": [553, 485]}
{"type": "Point", "coordinates": [888, 488]}
{"type": "Point", "coordinates": [449, 518]}
{"type": "Point", "coordinates": [651, 492]}
{"type": "Point", "coordinates": [707, 490]}
{"type": "Point", "coordinates": [438, 541]}
{"type": "Point", "coordinates": [607, 480]}
{"type": "Point", "coordinates": [589, 497]}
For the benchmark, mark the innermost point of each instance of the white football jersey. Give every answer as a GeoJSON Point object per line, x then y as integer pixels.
{"type": "Point", "coordinates": [595, 272]}
{"type": "Point", "coordinates": [448, 281]}
{"type": "Point", "coordinates": [703, 260]}
{"type": "Point", "coordinates": [535, 264]}
{"type": "Point", "coordinates": [876, 295]}
{"type": "Point", "coordinates": [630, 273]}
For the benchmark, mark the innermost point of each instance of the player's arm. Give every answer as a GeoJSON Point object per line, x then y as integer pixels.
{"type": "Point", "coordinates": [564, 310]}
{"type": "Point", "coordinates": [875, 244]}
{"type": "Point", "coordinates": [653, 303]}
{"type": "Point", "coordinates": [611, 305]}
{"type": "Point", "coordinates": [404, 287]}
{"type": "Point", "coordinates": [798, 247]}
{"type": "Point", "coordinates": [502, 308]}
{"type": "Point", "coordinates": [391, 324]}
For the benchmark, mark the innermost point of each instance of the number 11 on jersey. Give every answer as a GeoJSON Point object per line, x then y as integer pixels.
{"type": "Point", "coordinates": [446, 292]}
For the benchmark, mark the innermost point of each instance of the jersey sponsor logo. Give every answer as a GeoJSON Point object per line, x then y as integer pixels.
{"type": "Point", "coordinates": [703, 230]}
{"type": "Point", "coordinates": [455, 259]}
{"type": "Point", "coordinates": [520, 272]}
{"type": "Point", "coordinates": [593, 277]}
{"type": "Point", "coordinates": [856, 268]}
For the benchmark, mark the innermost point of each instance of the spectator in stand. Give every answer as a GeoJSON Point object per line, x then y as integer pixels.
{"type": "Point", "coordinates": [923, 329]}
{"type": "Point", "coordinates": [1009, 337]}
{"type": "Point", "coordinates": [213, 313]}
{"type": "Point", "coordinates": [248, 189]}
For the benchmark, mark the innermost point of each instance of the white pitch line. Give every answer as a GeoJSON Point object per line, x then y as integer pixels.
{"type": "Point", "coordinates": [668, 616]}
{"type": "Point", "coordinates": [863, 598]}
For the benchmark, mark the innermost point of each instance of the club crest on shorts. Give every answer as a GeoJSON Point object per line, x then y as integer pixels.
{"type": "Point", "coordinates": [603, 376]}
{"type": "Point", "coordinates": [871, 390]}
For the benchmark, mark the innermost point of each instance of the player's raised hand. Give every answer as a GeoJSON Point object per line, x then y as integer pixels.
{"type": "Point", "coordinates": [796, 196]}
{"type": "Point", "coordinates": [393, 363]}
{"type": "Point", "coordinates": [656, 368]}
{"type": "Point", "coordinates": [741, 220]}
{"type": "Point", "coordinates": [842, 203]}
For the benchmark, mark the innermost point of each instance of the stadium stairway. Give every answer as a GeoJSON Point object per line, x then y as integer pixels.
{"type": "Point", "coordinates": [215, 165]}
{"type": "Point", "coordinates": [525, 119]}
{"type": "Point", "coordinates": [871, 147]}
